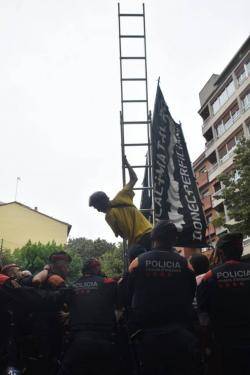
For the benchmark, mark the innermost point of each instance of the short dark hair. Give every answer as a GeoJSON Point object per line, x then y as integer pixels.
{"type": "Point", "coordinates": [231, 245]}
{"type": "Point", "coordinates": [164, 231]}
{"type": "Point", "coordinates": [97, 197]}
{"type": "Point", "coordinates": [200, 263]}
{"type": "Point", "coordinates": [91, 265]}
{"type": "Point", "coordinates": [60, 255]}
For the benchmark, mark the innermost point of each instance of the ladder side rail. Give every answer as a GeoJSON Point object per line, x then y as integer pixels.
{"type": "Point", "coordinates": [149, 124]}
{"type": "Point", "coordinates": [122, 107]}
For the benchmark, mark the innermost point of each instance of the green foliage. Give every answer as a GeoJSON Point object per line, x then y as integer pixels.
{"type": "Point", "coordinates": [34, 256]}
{"type": "Point", "coordinates": [88, 248]}
{"type": "Point", "coordinates": [236, 193]}
{"type": "Point", "coordinates": [112, 261]}
{"type": "Point", "coordinates": [6, 257]}
{"type": "Point", "coordinates": [219, 221]}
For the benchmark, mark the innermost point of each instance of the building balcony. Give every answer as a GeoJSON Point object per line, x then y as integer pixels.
{"type": "Point", "coordinates": [209, 143]}
{"type": "Point", "coordinates": [246, 246]}
{"type": "Point", "coordinates": [212, 119]}
{"type": "Point", "coordinates": [206, 124]}
{"type": "Point", "coordinates": [218, 168]}
{"type": "Point", "coordinates": [210, 230]}
{"type": "Point", "coordinates": [207, 203]}
{"type": "Point", "coordinates": [215, 198]}
{"type": "Point", "coordinates": [202, 179]}
{"type": "Point", "coordinates": [220, 230]}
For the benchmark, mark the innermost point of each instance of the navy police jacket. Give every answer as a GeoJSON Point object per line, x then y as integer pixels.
{"type": "Point", "coordinates": [224, 295]}
{"type": "Point", "coordinates": [92, 305]}
{"type": "Point", "coordinates": [162, 289]}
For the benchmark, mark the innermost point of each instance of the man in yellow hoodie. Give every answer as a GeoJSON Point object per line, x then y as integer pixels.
{"type": "Point", "coordinates": [122, 216]}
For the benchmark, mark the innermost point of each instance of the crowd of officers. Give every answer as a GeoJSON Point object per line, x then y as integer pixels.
{"type": "Point", "coordinates": [164, 316]}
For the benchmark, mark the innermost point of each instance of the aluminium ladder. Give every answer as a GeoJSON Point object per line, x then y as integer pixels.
{"type": "Point", "coordinates": [133, 101]}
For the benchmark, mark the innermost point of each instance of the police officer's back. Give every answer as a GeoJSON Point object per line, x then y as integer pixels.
{"type": "Point", "coordinates": [224, 296]}
{"type": "Point", "coordinates": [92, 322]}
{"type": "Point", "coordinates": [162, 284]}
{"type": "Point", "coordinates": [163, 288]}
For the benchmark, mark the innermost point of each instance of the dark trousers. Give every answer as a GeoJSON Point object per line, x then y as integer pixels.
{"type": "Point", "coordinates": [235, 360]}
{"type": "Point", "coordinates": [90, 353]}
{"type": "Point", "coordinates": [171, 351]}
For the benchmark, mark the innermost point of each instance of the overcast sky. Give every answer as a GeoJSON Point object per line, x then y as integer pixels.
{"type": "Point", "coordinates": [60, 92]}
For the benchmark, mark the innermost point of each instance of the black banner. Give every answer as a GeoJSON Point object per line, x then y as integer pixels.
{"type": "Point", "coordinates": [176, 195]}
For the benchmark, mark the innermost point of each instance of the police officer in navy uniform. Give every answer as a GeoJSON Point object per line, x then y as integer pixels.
{"type": "Point", "coordinates": [163, 287]}
{"type": "Point", "coordinates": [223, 298]}
{"type": "Point", "coordinates": [92, 323]}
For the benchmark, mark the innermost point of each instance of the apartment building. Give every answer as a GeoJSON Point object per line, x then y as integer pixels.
{"type": "Point", "coordinates": [225, 111]}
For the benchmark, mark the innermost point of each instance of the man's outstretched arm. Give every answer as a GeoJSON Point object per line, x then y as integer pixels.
{"type": "Point", "coordinates": [132, 175]}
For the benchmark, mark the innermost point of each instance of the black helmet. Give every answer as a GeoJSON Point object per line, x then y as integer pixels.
{"type": "Point", "coordinates": [97, 197]}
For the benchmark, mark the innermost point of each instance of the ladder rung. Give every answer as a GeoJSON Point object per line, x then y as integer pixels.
{"type": "Point", "coordinates": [143, 188]}
{"type": "Point", "coordinates": [135, 101]}
{"type": "Point", "coordinates": [131, 15]}
{"type": "Point", "coordinates": [140, 166]}
{"type": "Point", "coordinates": [132, 36]}
{"type": "Point", "coordinates": [136, 144]}
{"type": "Point", "coordinates": [133, 57]}
{"type": "Point", "coordinates": [134, 79]}
{"type": "Point", "coordinates": [135, 122]}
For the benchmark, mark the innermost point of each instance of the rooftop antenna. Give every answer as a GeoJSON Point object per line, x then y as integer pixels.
{"type": "Point", "coordinates": [18, 179]}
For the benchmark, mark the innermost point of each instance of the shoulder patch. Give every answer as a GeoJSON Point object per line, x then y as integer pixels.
{"type": "Point", "coordinates": [55, 280]}
{"type": "Point", "coordinates": [3, 279]}
{"type": "Point", "coordinates": [207, 276]}
{"type": "Point", "coordinates": [108, 280]}
{"type": "Point", "coordinates": [133, 265]}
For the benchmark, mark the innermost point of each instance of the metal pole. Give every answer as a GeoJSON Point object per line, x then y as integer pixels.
{"type": "Point", "coordinates": [121, 112]}
{"type": "Point", "coordinates": [17, 181]}
{"type": "Point", "coordinates": [149, 125]}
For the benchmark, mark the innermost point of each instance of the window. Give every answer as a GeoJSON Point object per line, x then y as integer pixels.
{"type": "Point", "coordinates": [217, 186]}
{"type": "Point", "coordinates": [248, 128]}
{"type": "Point", "coordinates": [228, 120]}
{"type": "Point", "coordinates": [223, 152]}
{"type": "Point", "coordinates": [230, 145]}
{"type": "Point", "coordinates": [246, 101]}
{"type": "Point", "coordinates": [203, 170]}
{"type": "Point", "coordinates": [236, 175]}
{"type": "Point", "coordinates": [205, 193]}
{"type": "Point", "coordinates": [209, 218]}
{"type": "Point", "coordinates": [244, 72]}
{"type": "Point", "coordinates": [223, 97]}
{"type": "Point", "coordinates": [239, 136]}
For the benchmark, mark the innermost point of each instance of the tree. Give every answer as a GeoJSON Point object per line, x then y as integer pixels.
{"type": "Point", "coordinates": [86, 248]}
{"type": "Point", "coordinates": [34, 256]}
{"type": "Point", "coordinates": [112, 261]}
{"type": "Point", "coordinates": [236, 192]}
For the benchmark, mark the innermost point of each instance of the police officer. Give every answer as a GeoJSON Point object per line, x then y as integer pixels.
{"type": "Point", "coordinates": [92, 323]}
{"type": "Point", "coordinates": [223, 296]}
{"type": "Point", "coordinates": [163, 288]}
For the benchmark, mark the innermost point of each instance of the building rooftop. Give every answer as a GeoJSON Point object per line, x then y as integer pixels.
{"type": "Point", "coordinates": [217, 79]}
